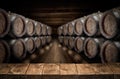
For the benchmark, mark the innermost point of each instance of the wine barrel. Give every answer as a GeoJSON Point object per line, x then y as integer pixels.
{"type": "Point", "coordinates": [4, 52]}
{"type": "Point", "coordinates": [65, 29]}
{"type": "Point", "coordinates": [110, 52]}
{"type": "Point", "coordinates": [60, 30]}
{"type": "Point", "coordinates": [18, 48]}
{"type": "Point", "coordinates": [78, 28]}
{"type": "Point", "coordinates": [92, 47]}
{"type": "Point", "coordinates": [91, 25]}
{"type": "Point", "coordinates": [38, 28]}
{"type": "Point", "coordinates": [60, 38]}
{"type": "Point", "coordinates": [44, 30]}
{"type": "Point", "coordinates": [4, 23]}
{"type": "Point", "coordinates": [71, 42]}
{"type": "Point", "coordinates": [17, 25]}
{"type": "Point", "coordinates": [79, 44]}
{"type": "Point", "coordinates": [70, 28]}
{"type": "Point", "coordinates": [30, 27]}
{"type": "Point", "coordinates": [30, 45]}
{"type": "Point", "coordinates": [65, 41]}
{"type": "Point", "coordinates": [109, 24]}
{"type": "Point", "coordinates": [43, 39]}
{"type": "Point", "coordinates": [37, 42]}
{"type": "Point", "coordinates": [49, 39]}
{"type": "Point", "coordinates": [49, 30]}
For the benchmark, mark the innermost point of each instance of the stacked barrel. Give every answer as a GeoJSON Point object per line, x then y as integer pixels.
{"type": "Point", "coordinates": [21, 36]}
{"type": "Point", "coordinates": [94, 36]}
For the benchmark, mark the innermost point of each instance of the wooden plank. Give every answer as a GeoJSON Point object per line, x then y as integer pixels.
{"type": "Point", "coordinates": [4, 68]}
{"type": "Point", "coordinates": [101, 69]}
{"type": "Point", "coordinates": [56, 14]}
{"type": "Point", "coordinates": [94, 71]}
{"type": "Point", "coordinates": [115, 68]}
{"type": "Point", "coordinates": [68, 69]}
{"type": "Point", "coordinates": [35, 69]}
{"type": "Point", "coordinates": [18, 69]}
{"type": "Point", "coordinates": [51, 69]}
{"type": "Point", "coordinates": [97, 69]}
{"type": "Point", "coordinates": [53, 19]}
{"type": "Point", "coordinates": [54, 22]}
{"type": "Point", "coordinates": [85, 69]}
{"type": "Point", "coordinates": [55, 9]}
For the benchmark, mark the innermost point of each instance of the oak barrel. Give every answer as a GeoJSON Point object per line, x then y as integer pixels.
{"type": "Point", "coordinates": [109, 24]}
{"type": "Point", "coordinates": [17, 25]}
{"type": "Point", "coordinates": [110, 52]}
{"type": "Point", "coordinates": [49, 30]}
{"type": "Point", "coordinates": [92, 47]}
{"type": "Point", "coordinates": [44, 29]}
{"type": "Point", "coordinates": [43, 39]}
{"type": "Point", "coordinates": [78, 27]}
{"type": "Point", "coordinates": [60, 30]}
{"type": "Point", "coordinates": [65, 40]}
{"type": "Point", "coordinates": [91, 25]}
{"type": "Point", "coordinates": [79, 44]}
{"type": "Point", "coordinates": [65, 31]}
{"type": "Point", "coordinates": [49, 39]}
{"type": "Point", "coordinates": [60, 38]}
{"type": "Point", "coordinates": [70, 28]}
{"type": "Point", "coordinates": [4, 52]}
{"type": "Point", "coordinates": [18, 48]}
{"type": "Point", "coordinates": [30, 27]}
{"type": "Point", "coordinates": [38, 28]}
{"type": "Point", "coordinates": [4, 23]}
{"type": "Point", "coordinates": [71, 42]}
{"type": "Point", "coordinates": [30, 45]}
{"type": "Point", "coordinates": [37, 42]}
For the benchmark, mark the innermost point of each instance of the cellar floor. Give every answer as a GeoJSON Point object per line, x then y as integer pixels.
{"type": "Point", "coordinates": [54, 53]}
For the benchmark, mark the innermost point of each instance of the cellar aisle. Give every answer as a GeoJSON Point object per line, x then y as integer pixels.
{"type": "Point", "coordinates": [54, 53]}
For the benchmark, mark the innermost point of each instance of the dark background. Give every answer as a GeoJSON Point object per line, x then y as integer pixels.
{"type": "Point", "coordinates": [57, 12]}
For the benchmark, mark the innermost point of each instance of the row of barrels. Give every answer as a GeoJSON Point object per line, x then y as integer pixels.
{"type": "Point", "coordinates": [108, 51]}
{"type": "Point", "coordinates": [105, 24]}
{"type": "Point", "coordinates": [20, 48]}
{"type": "Point", "coordinates": [15, 25]}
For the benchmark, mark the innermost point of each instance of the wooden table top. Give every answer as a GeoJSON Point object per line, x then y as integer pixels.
{"type": "Point", "coordinates": [60, 69]}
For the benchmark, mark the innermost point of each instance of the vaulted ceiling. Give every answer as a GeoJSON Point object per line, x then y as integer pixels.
{"type": "Point", "coordinates": [56, 12]}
